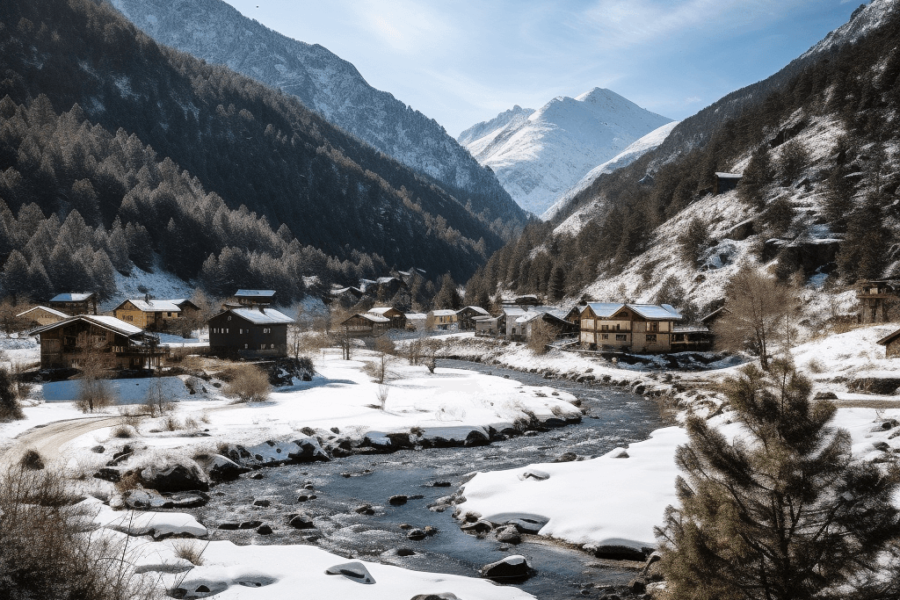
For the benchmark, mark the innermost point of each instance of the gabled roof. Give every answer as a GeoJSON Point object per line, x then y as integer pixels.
{"type": "Point", "coordinates": [381, 310]}
{"type": "Point", "coordinates": [254, 293]}
{"type": "Point", "coordinates": [477, 309]}
{"type": "Point", "coordinates": [72, 297]}
{"type": "Point", "coordinates": [108, 323]}
{"type": "Point", "coordinates": [652, 312]}
{"type": "Point", "coordinates": [443, 313]}
{"type": "Point", "coordinates": [183, 301]}
{"type": "Point", "coordinates": [386, 280]}
{"type": "Point", "coordinates": [368, 317]}
{"type": "Point", "coordinates": [261, 316]}
{"type": "Point", "coordinates": [354, 290]}
{"type": "Point", "coordinates": [152, 305]}
{"type": "Point", "coordinates": [889, 338]}
{"type": "Point", "coordinates": [52, 311]}
{"type": "Point", "coordinates": [513, 311]}
{"type": "Point", "coordinates": [718, 311]}
{"type": "Point", "coordinates": [416, 316]}
{"type": "Point", "coordinates": [728, 175]}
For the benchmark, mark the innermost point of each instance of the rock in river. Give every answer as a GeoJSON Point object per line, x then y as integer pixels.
{"type": "Point", "coordinates": [511, 568]}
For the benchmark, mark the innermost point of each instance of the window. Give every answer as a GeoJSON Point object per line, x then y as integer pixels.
{"type": "Point", "coordinates": [621, 337]}
{"type": "Point", "coordinates": [272, 346]}
{"type": "Point", "coordinates": [604, 328]}
{"type": "Point", "coordinates": [129, 318]}
{"type": "Point", "coordinates": [262, 346]}
{"type": "Point", "coordinates": [246, 346]}
{"type": "Point", "coordinates": [653, 326]}
{"type": "Point", "coordinates": [651, 338]}
{"type": "Point", "coordinates": [604, 336]}
{"type": "Point", "coordinates": [618, 326]}
{"type": "Point", "coordinates": [229, 317]}
{"type": "Point", "coordinates": [226, 330]}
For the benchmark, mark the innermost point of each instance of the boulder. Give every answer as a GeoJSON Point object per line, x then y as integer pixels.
{"type": "Point", "coordinates": [221, 468]}
{"type": "Point", "coordinates": [365, 509]}
{"type": "Point", "coordinates": [477, 438]}
{"type": "Point", "coordinates": [416, 535]}
{"type": "Point", "coordinates": [302, 521]}
{"type": "Point", "coordinates": [179, 477]}
{"type": "Point", "coordinates": [262, 503]}
{"type": "Point", "coordinates": [398, 500]}
{"type": "Point", "coordinates": [112, 474]}
{"type": "Point", "coordinates": [509, 535]}
{"type": "Point", "coordinates": [481, 526]}
{"type": "Point", "coordinates": [615, 552]}
{"type": "Point", "coordinates": [354, 571]}
{"type": "Point", "coordinates": [150, 499]}
{"type": "Point", "coordinates": [566, 457]}
{"type": "Point", "coordinates": [826, 396]}
{"type": "Point", "coordinates": [511, 568]}
{"type": "Point", "coordinates": [405, 552]}
{"type": "Point", "coordinates": [229, 526]}
{"type": "Point", "coordinates": [535, 474]}
{"type": "Point", "coordinates": [249, 524]}
{"type": "Point", "coordinates": [264, 530]}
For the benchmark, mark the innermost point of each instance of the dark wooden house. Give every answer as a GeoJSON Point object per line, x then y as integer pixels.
{"type": "Point", "coordinates": [249, 332]}
{"type": "Point", "coordinates": [67, 343]}
{"type": "Point", "coordinates": [876, 298]}
{"type": "Point", "coordinates": [75, 303]}
{"type": "Point", "coordinates": [725, 182]}
{"type": "Point", "coordinates": [397, 318]}
{"type": "Point", "coordinates": [465, 317]}
{"type": "Point", "coordinates": [40, 316]}
{"type": "Point", "coordinates": [365, 325]}
{"type": "Point", "coordinates": [891, 344]}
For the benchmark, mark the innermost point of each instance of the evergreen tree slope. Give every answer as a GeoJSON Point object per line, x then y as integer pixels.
{"type": "Point", "coordinates": [216, 32]}
{"type": "Point", "coordinates": [258, 151]}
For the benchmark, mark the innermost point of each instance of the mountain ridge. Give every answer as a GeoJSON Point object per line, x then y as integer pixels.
{"type": "Point", "coordinates": [538, 155]}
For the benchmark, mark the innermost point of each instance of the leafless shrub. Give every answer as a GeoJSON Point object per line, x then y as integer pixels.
{"type": "Point", "coordinates": [32, 460]}
{"type": "Point", "coordinates": [382, 395]}
{"type": "Point", "coordinates": [157, 402]}
{"type": "Point", "coordinates": [249, 384]}
{"type": "Point", "coordinates": [190, 551]}
{"type": "Point", "coordinates": [122, 431]}
{"type": "Point", "coordinates": [129, 481]}
{"type": "Point", "coordinates": [49, 548]}
{"type": "Point", "coordinates": [132, 416]}
{"type": "Point", "coordinates": [816, 366]}
{"type": "Point", "coordinates": [94, 394]}
{"type": "Point", "coordinates": [170, 423]}
{"type": "Point", "coordinates": [379, 369]}
{"type": "Point", "coordinates": [667, 407]}
{"type": "Point", "coordinates": [542, 334]}
{"type": "Point", "coordinates": [191, 424]}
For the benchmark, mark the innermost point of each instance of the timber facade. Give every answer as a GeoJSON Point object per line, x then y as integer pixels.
{"type": "Point", "coordinates": [69, 343]}
{"type": "Point", "coordinates": [642, 328]}
{"type": "Point", "coordinates": [249, 333]}
{"type": "Point", "coordinates": [876, 298]}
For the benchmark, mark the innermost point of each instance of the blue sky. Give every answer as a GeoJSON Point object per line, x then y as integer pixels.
{"type": "Point", "coordinates": [464, 61]}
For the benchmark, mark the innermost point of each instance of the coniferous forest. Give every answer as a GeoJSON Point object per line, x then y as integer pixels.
{"type": "Point", "coordinates": [115, 151]}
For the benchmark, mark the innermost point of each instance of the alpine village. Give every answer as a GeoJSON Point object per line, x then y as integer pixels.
{"type": "Point", "coordinates": [269, 332]}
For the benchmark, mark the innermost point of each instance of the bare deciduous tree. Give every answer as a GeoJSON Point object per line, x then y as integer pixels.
{"type": "Point", "coordinates": [542, 334]}
{"type": "Point", "coordinates": [94, 390]}
{"type": "Point", "coordinates": [757, 315]}
{"type": "Point", "coordinates": [249, 383]}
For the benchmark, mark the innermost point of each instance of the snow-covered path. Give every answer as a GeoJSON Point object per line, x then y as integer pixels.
{"type": "Point", "coordinates": [47, 440]}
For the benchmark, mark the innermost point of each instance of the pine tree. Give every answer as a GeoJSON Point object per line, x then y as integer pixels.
{"type": "Point", "coordinates": [756, 177]}
{"type": "Point", "coordinates": [784, 513]}
{"type": "Point", "coordinates": [863, 252]}
{"type": "Point", "coordinates": [557, 287]}
{"type": "Point", "coordinates": [15, 276]}
{"type": "Point", "coordinates": [448, 296]}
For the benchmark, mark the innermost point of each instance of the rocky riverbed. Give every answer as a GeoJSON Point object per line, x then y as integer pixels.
{"type": "Point", "coordinates": [392, 507]}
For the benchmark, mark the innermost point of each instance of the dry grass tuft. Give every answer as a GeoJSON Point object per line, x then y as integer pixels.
{"type": "Point", "coordinates": [190, 551]}
{"type": "Point", "coordinates": [248, 383]}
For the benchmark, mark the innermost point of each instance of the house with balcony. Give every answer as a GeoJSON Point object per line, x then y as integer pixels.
{"type": "Point", "coordinates": [72, 341]}
{"type": "Point", "coordinates": [640, 328]}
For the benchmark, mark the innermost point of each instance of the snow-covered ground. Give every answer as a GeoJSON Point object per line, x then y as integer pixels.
{"type": "Point", "coordinates": [274, 572]}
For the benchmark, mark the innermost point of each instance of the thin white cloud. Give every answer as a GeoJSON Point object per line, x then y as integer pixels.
{"type": "Point", "coordinates": [406, 26]}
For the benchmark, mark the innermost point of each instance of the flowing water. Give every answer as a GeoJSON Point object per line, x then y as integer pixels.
{"type": "Point", "coordinates": [614, 418]}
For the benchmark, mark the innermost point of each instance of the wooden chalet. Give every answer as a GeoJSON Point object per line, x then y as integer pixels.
{"type": "Point", "coordinates": [253, 297]}
{"type": "Point", "coordinates": [443, 319]}
{"type": "Point", "coordinates": [152, 314]}
{"type": "Point", "coordinates": [465, 317]}
{"type": "Point", "coordinates": [696, 338]}
{"type": "Point", "coordinates": [416, 321]}
{"type": "Point", "coordinates": [75, 303]}
{"type": "Point", "coordinates": [40, 316]}
{"type": "Point", "coordinates": [628, 327]}
{"type": "Point", "coordinates": [65, 344]}
{"type": "Point", "coordinates": [365, 325]}
{"type": "Point", "coordinates": [397, 318]}
{"type": "Point", "coordinates": [490, 325]}
{"type": "Point", "coordinates": [552, 316]}
{"type": "Point", "coordinates": [347, 296]}
{"type": "Point", "coordinates": [891, 344]}
{"type": "Point", "coordinates": [875, 298]}
{"type": "Point", "coordinates": [725, 182]}
{"type": "Point", "coordinates": [249, 332]}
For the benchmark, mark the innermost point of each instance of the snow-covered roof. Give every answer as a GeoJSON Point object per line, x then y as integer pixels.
{"type": "Point", "coordinates": [262, 316]}
{"type": "Point", "coordinates": [477, 309]}
{"type": "Point", "coordinates": [153, 305]}
{"type": "Point", "coordinates": [416, 316]}
{"type": "Point", "coordinates": [386, 280]}
{"type": "Point", "coordinates": [690, 329]}
{"type": "Point", "coordinates": [72, 297]}
{"type": "Point", "coordinates": [513, 311]}
{"type": "Point", "coordinates": [110, 323]}
{"type": "Point", "coordinates": [484, 318]}
{"type": "Point", "coordinates": [52, 311]}
{"type": "Point", "coordinates": [728, 175]}
{"type": "Point", "coordinates": [443, 313]}
{"type": "Point", "coordinates": [370, 317]}
{"type": "Point", "coordinates": [652, 312]}
{"type": "Point", "coordinates": [344, 290]}
{"type": "Point", "coordinates": [254, 293]}
{"type": "Point", "coordinates": [888, 338]}
{"type": "Point", "coordinates": [380, 310]}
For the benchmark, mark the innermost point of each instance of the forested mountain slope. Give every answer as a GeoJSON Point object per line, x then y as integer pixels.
{"type": "Point", "coordinates": [200, 161]}
{"type": "Point", "coordinates": [216, 32]}
{"type": "Point", "coordinates": [818, 203]}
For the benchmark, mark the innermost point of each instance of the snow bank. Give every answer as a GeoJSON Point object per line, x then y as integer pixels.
{"type": "Point", "coordinates": [603, 501]}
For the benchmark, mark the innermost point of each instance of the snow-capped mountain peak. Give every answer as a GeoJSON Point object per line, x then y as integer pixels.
{"type": "Point", "coordinates": [538, 155]}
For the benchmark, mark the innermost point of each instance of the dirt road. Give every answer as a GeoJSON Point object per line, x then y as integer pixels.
{"type": "Point", "coordinates": [48, 440]}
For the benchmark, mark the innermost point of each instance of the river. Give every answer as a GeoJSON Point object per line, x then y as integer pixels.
{"type": "Point", "coordinates": [614, 418]}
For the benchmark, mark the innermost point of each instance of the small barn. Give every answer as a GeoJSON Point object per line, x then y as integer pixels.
{"type": "Point", "coordinates": [490, 326]}
{"type": "Point", "coordinates": [876, 298]}
{"type": "Point", "coordinates": [257, 332]}
{"type": "Point", "coordinates": [891, 344]}
{"type": "Point", "coordinates": [397, 318]}
{"type": "Point", "coordinates": [725, 182]}
{"type": "Point", "coordinates": [254, 297]}
{"type": "Point", "coordinates": [75, 303]}
{"type": "Point", "coordinates": [416, 321]}
{"type": "Point", "coordinates": [148, 313]}
{"type": "Point", "coordinates": [39, 316]}
{"type": "Point", "coordinates": [365, 325]}
{"type": "Point", "coordinates": [466, 316]}
{"type": "Point", "coordinates": [68, 343]}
